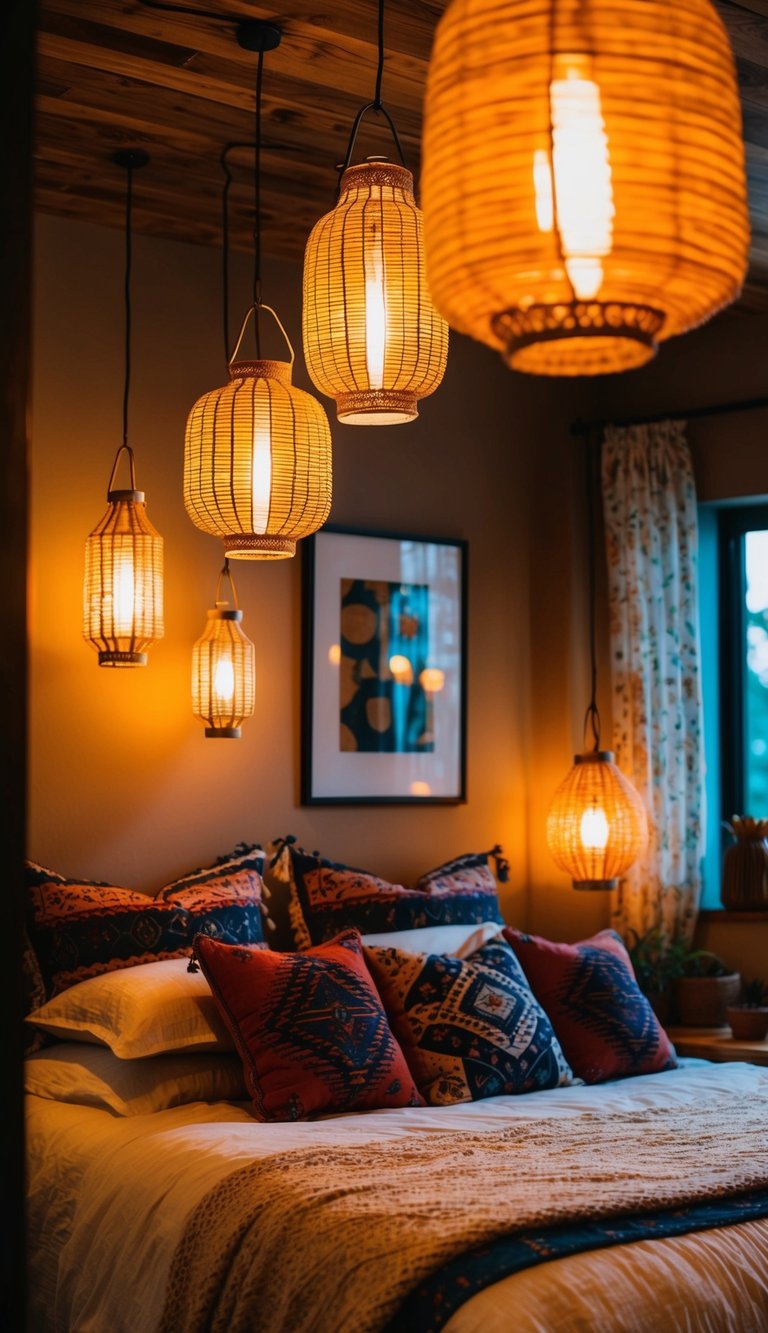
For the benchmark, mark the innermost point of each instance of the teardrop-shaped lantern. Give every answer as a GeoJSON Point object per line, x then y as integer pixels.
{"type": "Point", "coordinates": [597, 824]}
{"type": "Point", "coordinates": [583, 177]}
{"type": "Point", "coordinates": [372, 337]}
{"type": "Point", "coordinates": [223, 669]}
{"type": "Point", "coordinates": [123, 584]}
{"type": "Point", "coordinates": [257, 459]}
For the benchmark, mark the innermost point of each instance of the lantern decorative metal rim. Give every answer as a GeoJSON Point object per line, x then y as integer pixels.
{"type": "Point", "coordinates": [623, 336]}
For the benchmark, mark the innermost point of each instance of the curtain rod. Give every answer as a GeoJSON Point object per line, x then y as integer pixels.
{"type": "Point", "coordinates": [581, 427]}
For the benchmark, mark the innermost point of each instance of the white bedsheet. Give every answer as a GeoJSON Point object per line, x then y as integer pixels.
{"type": "Point", "coordinates": [109, 1196]}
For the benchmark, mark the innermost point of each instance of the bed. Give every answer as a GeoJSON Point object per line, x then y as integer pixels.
{"type": "Point", "coordinates": [182, 1180]}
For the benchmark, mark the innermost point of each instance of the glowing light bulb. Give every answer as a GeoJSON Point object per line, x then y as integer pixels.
{"type": "Point", "coordinates": [375, 309]}
{"type": "Point", "coordinates": [334, 654]}
{"type": "Point", "coordinates": [224, 681]}
{"type": "Point", "coordinates": [123, 592]}
{"type": "Point", "coordinates": [432, 679]}
{"type": "Point", "coordinates": [580, 203]}
{"type": "Point", "coordinates": [594, 829]}
{"type": "Point", "coordinates": [401, 669]}
{"type": "Point", "coordinates": [261, 485]}
{"type": "Point", "coordinates": [419, 788]}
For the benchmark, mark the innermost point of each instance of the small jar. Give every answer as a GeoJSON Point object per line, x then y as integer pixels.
{"type": "Point", "coordinates": [745, 866]}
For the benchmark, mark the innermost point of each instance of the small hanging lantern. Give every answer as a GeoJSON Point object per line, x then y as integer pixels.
{"type": "Point", "coordinates": [257, 459]}
{"type": "Point", "coordinates": [257, 452]}
{"type": "Point", "coordinates": [583, 178]}
{"type": "Point", "coordinates": [123, 582]}
{"type": "Point", "coordinates": [596, 827]}
{"type": "Point", "coordinates": [373, 339]}
{"type": "Point", "coordinates": [223, 669]}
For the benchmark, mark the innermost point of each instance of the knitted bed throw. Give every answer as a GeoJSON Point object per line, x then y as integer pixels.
{"type": "Point", "coordinates": [331, 1240]}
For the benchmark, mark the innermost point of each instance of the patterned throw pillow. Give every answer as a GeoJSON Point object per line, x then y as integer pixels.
{"type": "Point", "coordinates": [309, 1027]}
{"type": "Point", "coordinates": [470, 1028]}
{"type": "Point", "coordinates": [603, 1021]}
{"type": "Point", "coordinates": [327, 896]}
{"type": "Point", "coordinates": [81, 928]}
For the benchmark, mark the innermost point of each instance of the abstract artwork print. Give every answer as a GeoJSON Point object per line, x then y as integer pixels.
{"type": "Point", "coordinates": [384, 705]}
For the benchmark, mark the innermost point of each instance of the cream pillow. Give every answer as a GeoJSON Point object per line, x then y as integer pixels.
{"type": "Point", "coordinates": [93, 1076]}
{"type": "Point", "coordinates": [456, 941]}
{"type": "Point", "coordinates": [136, 1011]}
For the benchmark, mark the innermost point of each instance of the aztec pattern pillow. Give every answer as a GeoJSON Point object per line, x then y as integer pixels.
{"type": "Point", "coordinates": [81, 928]}
{"type": "Point", "coordinates": [310, 1028]}
{"type": "Point", "coordinates": [327, 897]}
{"type": "Point", "coordinates": [604, 1023]}
{"type": "Point", "coordinates": [470, 1028]}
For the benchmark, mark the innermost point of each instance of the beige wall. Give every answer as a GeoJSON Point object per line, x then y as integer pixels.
{"type": "Point", "coordinates": [123, 784]}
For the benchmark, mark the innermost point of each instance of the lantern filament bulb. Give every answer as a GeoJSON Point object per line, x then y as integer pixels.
{"type": "Point", "coordinates": [375, 310]}
{"type": "Point", "coordinates": [582, 171]}
{"type": "Point", "coordinates": [594, 829]}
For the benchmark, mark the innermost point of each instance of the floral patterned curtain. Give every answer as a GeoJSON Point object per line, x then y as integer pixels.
{"type": "Point", "coordinates": [651, 534]}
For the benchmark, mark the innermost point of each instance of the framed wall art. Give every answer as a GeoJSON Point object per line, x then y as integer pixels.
{"type": "Point", "coordinates": [384, 669]}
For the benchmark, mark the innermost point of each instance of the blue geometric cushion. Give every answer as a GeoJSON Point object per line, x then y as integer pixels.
{"type": "Point", "coordinates": [327, 897]}
{"type": "Point", "coordinates": [80, 928]}
{"type": "Point", "coordinates": [469, 1028]}
{"type": "Point", "coordinates": [309, 1027]}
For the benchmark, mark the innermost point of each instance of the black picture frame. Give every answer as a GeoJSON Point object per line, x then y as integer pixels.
{"type": "Point", "coordinates": [374, 733]}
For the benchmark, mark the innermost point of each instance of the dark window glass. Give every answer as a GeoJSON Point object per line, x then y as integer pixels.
{"type": "Point", "coordinates": [744, 660]}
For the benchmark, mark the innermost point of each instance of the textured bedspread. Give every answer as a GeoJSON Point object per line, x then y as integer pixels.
{"type": "Point", "coordinates": [335, 1239]}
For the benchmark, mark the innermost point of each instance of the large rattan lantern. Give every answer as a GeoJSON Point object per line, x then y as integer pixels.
{"type": "Point", "coordinates": [123, 581]}
{"type": "Point", "coordinates": [223, 670]}
{"type": "Point", "coordinates": [596, 827]}
{"type": "Point", "coordinates": [583, 177]}
{"type": "Point", "coordinates": [257, 451]}
{"type": "Point", "coordinates": [257, 459]}
{"type": "Point", "coordinates": [373, 339]}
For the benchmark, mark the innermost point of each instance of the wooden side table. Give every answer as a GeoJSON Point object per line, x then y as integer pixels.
{"type": "Point", "coordinates": [717, 1044]}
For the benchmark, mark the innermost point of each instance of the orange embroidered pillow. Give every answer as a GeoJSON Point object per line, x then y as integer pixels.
{"type": "Point", "coordinates": [310, 1028]}
{"type": "Point", "coordinates": [604, 1023]}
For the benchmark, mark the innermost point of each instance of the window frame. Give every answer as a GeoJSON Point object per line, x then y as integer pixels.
{"type": "Point", "coordinates": [733, 523]}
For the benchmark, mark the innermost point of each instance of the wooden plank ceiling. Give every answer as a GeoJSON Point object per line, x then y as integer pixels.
{"type": "Point", "coordinates": [117, 74]}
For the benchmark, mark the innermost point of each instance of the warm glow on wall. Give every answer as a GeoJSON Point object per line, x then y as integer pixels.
{"type": "Point", "coordinates": [583, 177]}
{"type": "Point", "coordinates": [596, 825]}
{"type": "Point", "coordinates": [223, 669]}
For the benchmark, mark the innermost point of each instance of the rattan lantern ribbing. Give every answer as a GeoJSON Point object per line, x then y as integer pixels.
{"type": "Point", "coordinates": [596, 827]}
{"type": "Point", "coordinates": [257, 459]}
{"type": "Point", "coordinates": [583, 177]}
{"type": "Point", "coordinates": [123, 580]}
{"type": "Point", "coordinates": [223, 669]}
{"type": "Point", "coordinates": [372, 337]}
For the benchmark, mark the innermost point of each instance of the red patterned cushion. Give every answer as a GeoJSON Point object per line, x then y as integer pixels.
{"type": "Point", "coordinates": [310, 1028]}
{"type": "Point", "coordinates": [82, 928]}
{"type": "Point", "coordinates": [327, 896]}
{"type": "Point", "coordinates": [604, 1023]}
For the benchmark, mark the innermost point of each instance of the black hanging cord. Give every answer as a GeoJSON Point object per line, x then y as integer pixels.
{"type": "Point", "coordinates": [380, 66]}
{"type": "Point", "coordinates": [127, 295]}
{"type": "Point", "coordinates": [376, 105]}
{"type": "Point", "coordinates": [257, 206]}
{"type": "Point", "coordinates": [592, 715]}
{"type": "Point", "coordinates": [226, 150]}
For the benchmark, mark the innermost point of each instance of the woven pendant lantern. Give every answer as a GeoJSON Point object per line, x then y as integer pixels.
{"type": "Point", "coordinates": [583, 178]}
{"type": "Point", "coordinates": [596, 827]}
{"type": "Point", "coordinates": [257, 452]}
{"type": "Point", "coordinates": [372, 337]}
{"type": "Point", "coordinates": [223, 670]}
{"type": "Point", "coordinates": [123, 581]}
{"type": "Point", "coordinates": [257, 459]}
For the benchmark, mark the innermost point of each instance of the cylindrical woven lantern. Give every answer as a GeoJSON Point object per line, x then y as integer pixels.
{"type": "Point", "coordinates": [583, 177]}
{"type": "Point", "coordinates": [123, 584]}
{"type": "Point", "coordinates": [257, 460]}
{"type": "Point", "coordinates": [223, 670]}
{"type": "Point", "coordinates": [372, 337]}
{"type": "Point", "coordinates": [597, 824]}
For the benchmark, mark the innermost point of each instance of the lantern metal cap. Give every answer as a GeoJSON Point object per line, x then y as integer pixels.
{"type": "Point", "coordinates": [594, 757]}
{"type": "Point", "coordinates": [137, 497]}
{"type": "Point", "coordinates": [225, 613]}
{"type": "Point", "coordinates": [261, 370]}
{"type": "Point", "coordinates": [227, 733]}
{"type": "Point", "coordinates": [377, 172]}
{"type": "Point", "coordinates": [258, 35]}
{"type": "Point", "coordinates": [109, 658]}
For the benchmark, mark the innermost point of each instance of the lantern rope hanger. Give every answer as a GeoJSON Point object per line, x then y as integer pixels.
{"type": "Point", "coordinates": [123, 583]}
{"type": "Point", "coordinates": [373, 340]}
{"type": "Point", "coordinates": [597, 824]}
{"type": "Point", "coordinates": [257, 454]}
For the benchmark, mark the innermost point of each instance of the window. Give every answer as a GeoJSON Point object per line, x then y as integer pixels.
{"type": "Point", "coordinates": [743, 542]}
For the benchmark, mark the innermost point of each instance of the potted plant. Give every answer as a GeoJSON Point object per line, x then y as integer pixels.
{"type": "Point", "coordinates": [657, 961]}
{"type": "Point", "coordinates": [704, 989]}
{"type": "Point", "coordinates": [748, 1020]}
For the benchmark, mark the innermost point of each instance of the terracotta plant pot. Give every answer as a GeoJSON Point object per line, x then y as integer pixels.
{"type": "Point", "coordinates": [748, 1024]}
{"type": "Point", "coordinates": [745, 866]}
{"type": "Point", "coordinates": [701, 1002]}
